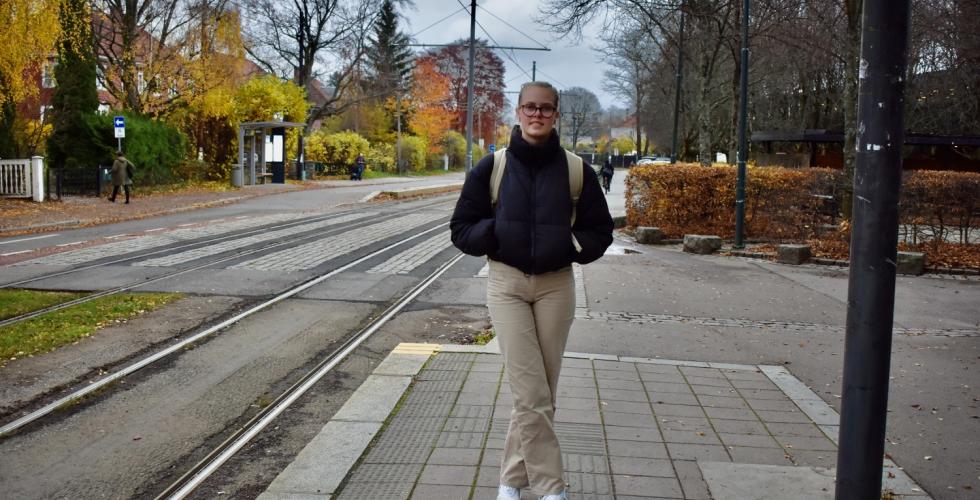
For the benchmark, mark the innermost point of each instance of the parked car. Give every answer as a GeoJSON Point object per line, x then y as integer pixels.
{"type": "Point", "coordinates": [653, 160]}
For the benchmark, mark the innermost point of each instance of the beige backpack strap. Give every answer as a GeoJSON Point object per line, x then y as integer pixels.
{"type": "Point", "coordinates": [574, 187]}
{"type": "Point", "coordinates": [574, 179]}
{"type": "Point", "coordinates": [497, 173]}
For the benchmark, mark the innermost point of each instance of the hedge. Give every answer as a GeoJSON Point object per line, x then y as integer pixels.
{"type": "Point", "coordinates": [785, 204]}
{"type": "Point", "coordinates": [338, 152]}
{"type": "Point", "coordinates": [156, 148]}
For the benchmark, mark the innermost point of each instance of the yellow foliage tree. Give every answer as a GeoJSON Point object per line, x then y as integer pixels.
{"type": "Point", "coordinates": [29, 29]}
{"type": "Point", "coordinates": [430, 91]}
{"type": "Point", "coordinates": [206, 84]}
{"type": "Point", "coordinates": [267, 98]}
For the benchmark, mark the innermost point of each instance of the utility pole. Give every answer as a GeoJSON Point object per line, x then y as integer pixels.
{"type": "Point", "coordinates": [534, 71]}
{"type": "Point", "coordinates": [743, 146]}
{"type": "Point", "coordinates": [874, 242]}
{"type": "Point", "coordinates": [469, 91]}
{"type": "Point", "coordinates": [677, 87]}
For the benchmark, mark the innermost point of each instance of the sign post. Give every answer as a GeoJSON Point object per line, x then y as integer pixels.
{"type": "Point", "coordinates": [119, 124]}
{"type": "Point", "coordinates": [874, 245]}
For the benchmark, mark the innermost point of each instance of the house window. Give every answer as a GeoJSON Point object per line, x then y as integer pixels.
{"type": "Point", "coordinates": [103, 109]}
{"type": "Point", "coordinates": [47, 75]}
{"type": "Point", "coordinates": [45, 110]}
{"type": "Point", "coordinates": [100, 77]}
{"type": "Point", "coordinates": [140, 82]}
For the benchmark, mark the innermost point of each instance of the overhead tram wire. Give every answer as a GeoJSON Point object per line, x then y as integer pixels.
{"type": "Point", "coordinates": [553, 79]}
{"type": "Point", "coordinates": [497, 44]}
{"type": "Point", "coordinates": [417, 33]}
{"type": "Point", "coordinates": [529, 37]}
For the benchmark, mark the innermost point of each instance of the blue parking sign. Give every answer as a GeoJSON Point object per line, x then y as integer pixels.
{"type": "Point", "coordinates": [493, 147]}
{"type": "Point", "coordinates": [119, 122]}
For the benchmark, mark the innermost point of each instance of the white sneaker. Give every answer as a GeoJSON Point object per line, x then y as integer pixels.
{"type": "Point", "coordinates": [508, 493]}
{"type": "Point", "coordinates": [557, 496]}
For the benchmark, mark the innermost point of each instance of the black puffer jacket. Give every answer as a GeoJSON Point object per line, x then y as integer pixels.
{"type": "Point", "coordinates": [529, 227]}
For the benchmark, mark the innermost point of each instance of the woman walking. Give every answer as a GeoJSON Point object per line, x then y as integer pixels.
{"type": "Point", "coordinates": [532, 230]}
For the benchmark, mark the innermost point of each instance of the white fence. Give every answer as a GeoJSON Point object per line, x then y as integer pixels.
{"type": "Point", "coordinates": [22, 178]}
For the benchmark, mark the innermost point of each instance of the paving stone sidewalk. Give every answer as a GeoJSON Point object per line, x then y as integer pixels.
{"type": "Point", "coordinates": [629, 429]}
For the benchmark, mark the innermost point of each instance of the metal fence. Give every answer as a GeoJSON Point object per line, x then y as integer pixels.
{"type": "Point", "coordinates": [78, 182]}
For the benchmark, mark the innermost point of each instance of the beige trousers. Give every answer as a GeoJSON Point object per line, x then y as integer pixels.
{"type": "Point", "coordinates": [531, 316]}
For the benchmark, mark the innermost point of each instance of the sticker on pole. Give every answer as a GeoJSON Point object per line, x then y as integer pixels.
{"type": "Point", "coordinates": [119, 123]}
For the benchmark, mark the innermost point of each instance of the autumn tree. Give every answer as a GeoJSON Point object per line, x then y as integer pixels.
{"type": "Point", "coordinates": [488, 75]}
{"type": "Point", "coordinates": [74, 141]}
{"type": "Point", "coordinates": [267, 98]}
{"type": "Point", "coordinates": [35, 27]}
{"type": "Point", "coordinates": [214, 67]}
{"type": "Point", "coordinates": [431, 116]}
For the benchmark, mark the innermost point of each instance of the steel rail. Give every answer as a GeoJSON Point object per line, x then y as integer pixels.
{"type": "Point", "coordinates": [191, 479]}
{"type": "Point", "coordinates": [134, 367]}
{"type": "Point", "coordinates": [137, 284]}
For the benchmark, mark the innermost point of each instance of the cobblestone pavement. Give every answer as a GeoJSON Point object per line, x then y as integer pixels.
{"type": "Point", "coordinates": [629, 429]}
{"type": "Point", "coordinates": [237, 243]}
{"type": "Point", "coordinates": [404, 262]}
{"type": "Point", "coordinates": [311, 254]}
{"type": "Point", "coordinates": [120, 246]}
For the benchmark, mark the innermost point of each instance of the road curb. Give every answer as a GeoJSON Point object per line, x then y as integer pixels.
{"type": "Point", "coordinates": [323, 464]}
{"type": "Point", "coordinates": [401, 194]}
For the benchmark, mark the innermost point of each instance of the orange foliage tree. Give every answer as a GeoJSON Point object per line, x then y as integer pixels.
{"type": "Point", "coordinates": [430, 92]}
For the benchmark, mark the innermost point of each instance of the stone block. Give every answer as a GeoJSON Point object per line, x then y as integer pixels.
{"type": "Point", "coordinates": [701, 244]}
{"type": "Point", "coordinates": [619, 221]}
{"type": "Point", "coordinates": [913, 263]}
{"type": "Point", "coordinates": [648, 235]}
{"type": "Point", "coordinates": [793, 254]}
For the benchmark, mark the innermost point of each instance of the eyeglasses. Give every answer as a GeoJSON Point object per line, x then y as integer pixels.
{"type": "Point", "coordinates": [530, 110]}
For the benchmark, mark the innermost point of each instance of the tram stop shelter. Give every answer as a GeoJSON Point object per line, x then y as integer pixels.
{"type": "Point", "coordinates": [262, 152]}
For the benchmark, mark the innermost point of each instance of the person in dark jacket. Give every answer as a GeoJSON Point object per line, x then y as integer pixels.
{"type": "Point", "coordinates": [122, 175]}
{"type": "Point", "coordinates": [530, 242]}
{"type": "Point", "coordinates": [607, 175]}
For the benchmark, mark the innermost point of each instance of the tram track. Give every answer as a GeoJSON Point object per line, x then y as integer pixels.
{"type": "Point", "coordinates": [204, 468]}
{"type": "Point", "coordinates": [114, 377]}
{"type": "Point", "coordinates": [313, 234]}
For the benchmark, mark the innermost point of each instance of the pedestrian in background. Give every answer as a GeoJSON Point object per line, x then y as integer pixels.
{"type": "Point", "coordinates": [607, 175]}
{"type": "Point", "coordinates": [530, 243]}
{"type": "Point", "coordinates": [359, 166]}
{"type": "Point", "coordinates": [122, 175]}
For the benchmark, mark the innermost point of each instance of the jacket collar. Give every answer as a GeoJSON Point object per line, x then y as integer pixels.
{"type": "Point", "coordinates": [530, 155]}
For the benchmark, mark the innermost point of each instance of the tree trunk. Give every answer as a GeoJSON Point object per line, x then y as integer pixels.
{"type": "Point", "coordinates": [704, 118]}
{"type": "Point", "coordinates": [852, 55]}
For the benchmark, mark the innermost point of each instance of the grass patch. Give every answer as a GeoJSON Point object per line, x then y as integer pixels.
{"type": "Point", "coordinates": [484, 337]}
{"type": "Point", "coordinates": [372, 174]}
{"type": "Point", "coordinates": [17, 302]}
{"type": "Point", "coordinates": [58, 328]}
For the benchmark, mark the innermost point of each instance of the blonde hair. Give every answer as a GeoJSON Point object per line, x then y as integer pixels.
{"type": "Point", "coordinates": [543, 85]}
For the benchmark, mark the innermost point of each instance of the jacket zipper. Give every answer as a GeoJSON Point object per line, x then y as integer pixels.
{"type": "Point", "coordinates": [534, 220]}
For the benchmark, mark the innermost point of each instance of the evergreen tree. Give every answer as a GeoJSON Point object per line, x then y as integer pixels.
{"type": "Point", "coordinates": [388, 56]}
{"type": "Point", "coordinates": [74, 142]}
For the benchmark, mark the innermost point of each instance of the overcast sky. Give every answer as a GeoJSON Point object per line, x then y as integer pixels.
{"type": "Point", "coordinates": [564, 66]}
